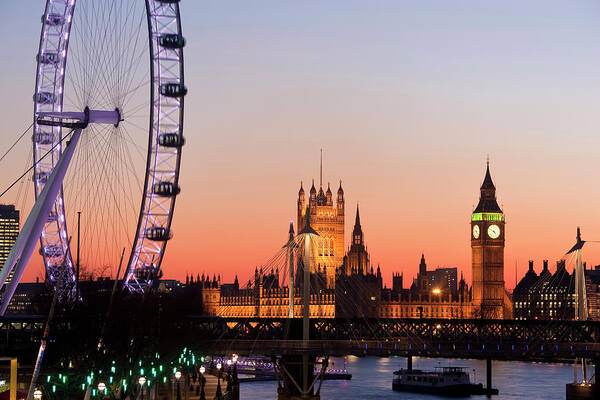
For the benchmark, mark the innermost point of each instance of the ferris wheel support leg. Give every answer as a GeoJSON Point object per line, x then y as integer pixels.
{"type": "Point", "coordinates": [29, 236]}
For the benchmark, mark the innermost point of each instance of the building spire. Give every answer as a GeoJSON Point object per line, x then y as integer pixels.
{"type": "Point", "coordinates": [487, 199]}
{"type": "Point", "coordinates": [321, 169]}
{"type": "Point", "coordinates": [357, 221]}
{"type": "Point", "coordinates": [487, 181]}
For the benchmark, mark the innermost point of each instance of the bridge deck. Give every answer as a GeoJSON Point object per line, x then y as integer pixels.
{"type": "Point", "coordinates": [498, 339]}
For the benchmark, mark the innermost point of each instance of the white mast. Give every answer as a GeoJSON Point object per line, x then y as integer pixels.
{"type": "Point", "coordinates": [581, 309]}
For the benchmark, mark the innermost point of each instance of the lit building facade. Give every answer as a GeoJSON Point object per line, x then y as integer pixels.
{"type": "Point", "coordinates": [327, 219]}
{"type": "Point", "coordinates": [357, 289]}
{"type": "Point", "coordinates": [345, 284]}
{"type": "Point", "coordinates": [9, 230]}
{"type": "Point", "coordinates": [552, 295]}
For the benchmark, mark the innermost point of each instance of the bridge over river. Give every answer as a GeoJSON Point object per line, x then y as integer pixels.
{"type": "Point", "coordinates": [473, 338]}
{"type": "Point", "coordinates": [535, 340]}
{"type": "Point", "coordinates": [460, 338]}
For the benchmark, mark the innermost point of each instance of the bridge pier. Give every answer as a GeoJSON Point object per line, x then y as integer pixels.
{"type": "Point", "coordinates": [409, 363]}
{"type": "Point", "coordinates": [585, 391]}
{"type": "Point", "coordinates": [488, 371]}
{"type": "Point", "coordinates": [298, 378]}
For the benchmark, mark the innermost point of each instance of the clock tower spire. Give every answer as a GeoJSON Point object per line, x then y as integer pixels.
{"type": "Point", "coordinates": [487, 251]}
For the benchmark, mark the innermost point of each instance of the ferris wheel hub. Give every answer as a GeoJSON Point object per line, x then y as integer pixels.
{"type": "Point", "coordinates": [75, 119]}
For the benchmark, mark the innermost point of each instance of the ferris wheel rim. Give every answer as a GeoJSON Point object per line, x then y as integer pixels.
{"type": "Point", "coordinates": [167, 91]}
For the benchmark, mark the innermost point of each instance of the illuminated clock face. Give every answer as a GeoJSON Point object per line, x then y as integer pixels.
{"type": "Point", "coordinates": [494, 231]}
{"type": "Point", "coordinates": [476, 231]}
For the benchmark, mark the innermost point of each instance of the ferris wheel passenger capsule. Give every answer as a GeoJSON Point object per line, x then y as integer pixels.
{"type": "Point", "coordinates": [49, 58]}
{"type": "Point", "coordinates": [52, 216]}
{"type": "Point", "coordinates": [43, 137]}
{"type": "Point", "coordinates": [171, 140]}
{"type": "Point", "coordinates": [173, 89]}
{"type": "Point", "coordinates": [148, 273]}
{"type": "Point", "coordinates": [44, 97]}
{"type": "Point", "coordinates": [51, 251]}
{"type": "Point", "coordinates": [158, 233]}
{"type": "Point", "coordinates": [166, 189]}
{"type": "Point", "coordinates": [172, 41]}
{"type": "Point", "coordinates": [40, 176]}
{"type": "Point", "coordinates": [54, 19]}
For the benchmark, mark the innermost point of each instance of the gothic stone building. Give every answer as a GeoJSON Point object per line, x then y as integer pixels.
{"type": "Point", "coordinates": [345, 284]}
{"type": "Point", "coordinates": [327, 219]}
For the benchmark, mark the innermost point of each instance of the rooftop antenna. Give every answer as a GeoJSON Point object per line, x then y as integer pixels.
{"type": "Point", "coordinates": [321, 170]}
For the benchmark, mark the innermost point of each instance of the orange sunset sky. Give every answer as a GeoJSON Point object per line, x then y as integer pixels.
{"type": "Point", "coordinates": [407, 101]}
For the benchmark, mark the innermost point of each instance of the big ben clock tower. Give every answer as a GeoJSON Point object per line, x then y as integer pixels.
{"type": "Point", "coordinates": [487, 249]}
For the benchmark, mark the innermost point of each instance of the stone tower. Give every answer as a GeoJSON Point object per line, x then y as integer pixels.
{"type": "Point", "coordinates": [327, 219]}
{"type": "Point", "coordinates": [487, 250]}
{"type": "Point", "coordinates": [357, 259]}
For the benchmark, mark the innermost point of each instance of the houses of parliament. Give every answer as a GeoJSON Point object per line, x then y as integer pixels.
{"type": "Point", "coordinates": [344, 282]}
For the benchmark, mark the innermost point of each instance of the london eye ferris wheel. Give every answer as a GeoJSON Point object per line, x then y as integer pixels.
{"type": "Point", "coordinates": [112, 72]}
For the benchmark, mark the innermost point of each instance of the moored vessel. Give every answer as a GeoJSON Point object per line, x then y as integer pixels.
{"type": "Point", "coordinates": [445, 381]}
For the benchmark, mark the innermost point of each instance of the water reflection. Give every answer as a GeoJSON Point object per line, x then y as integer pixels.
{"type": "Point", "coordinates": [372, 379]}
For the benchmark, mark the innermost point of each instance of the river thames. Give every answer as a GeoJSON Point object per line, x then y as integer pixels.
{"type": "Point", "coordinates": [372, 379]}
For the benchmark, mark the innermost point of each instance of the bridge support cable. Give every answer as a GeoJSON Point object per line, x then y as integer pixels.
{"type": "Point", "coordinates": [46, 154]}
{"type": "Point", "coordinates": [16, 142]}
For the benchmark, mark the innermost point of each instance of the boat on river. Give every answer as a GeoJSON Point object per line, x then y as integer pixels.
{"type": "Point", "coordinates": [444, 381]}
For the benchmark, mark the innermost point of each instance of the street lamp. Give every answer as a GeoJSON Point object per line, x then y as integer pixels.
{"type": "Point", "coordinates": [37, 395]}
{"type": "Point", "coordinates": [219, 394]}
{"type": "Point", "coordinates": [142, 382]}
{"type": "Point", "coordinates": [202, 382]}
{"type": "Point", "coordinates": [437, 292]}
{"type": "Point", "coordinates": [178, 376]}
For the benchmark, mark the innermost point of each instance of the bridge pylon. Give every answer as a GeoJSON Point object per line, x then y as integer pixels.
{"type": "Point", "coordinates": [296, 372]}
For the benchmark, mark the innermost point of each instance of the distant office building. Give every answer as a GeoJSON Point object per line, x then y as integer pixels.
{"type": "Point", "coordinates": [444, 279]}
{"type": "Point", "coordinates": [592, 288]}
{"type": "Point", "coordinates": [9, 230]}
{"type": "Point", "coordinates": [440, 281]}
{"type": "Point", "coordinates": [30, 299]}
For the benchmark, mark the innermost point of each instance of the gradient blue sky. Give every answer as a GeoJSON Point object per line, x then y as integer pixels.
{"type": "Point", "coordinates": [406, 98]}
